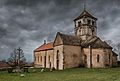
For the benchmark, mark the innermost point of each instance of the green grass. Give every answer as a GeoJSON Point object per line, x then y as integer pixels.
{"type": "Point", "coordinates": [76, 74]}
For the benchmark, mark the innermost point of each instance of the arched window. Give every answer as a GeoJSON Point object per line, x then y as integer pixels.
{"type": "Point", "coordinates": [79, 23]}
{"type": "Point", "coordinates": [57, 57]}
{"type": "Point", "coordinates": [109, 57]}
{"type": "Point", "coordinates": [98, 58]}
{"type": "Point", "coordinates": [35, 58]}
{"type": "Point", "coordinates": [89, 22]}
{"type": "Point", "coordinates": [49, 58]}
{"type": "Point", "coordinates": [93, 23]}
{"type": "Point", "coordinates": [38, 58]}
{"type": "Point", "coordinates": [84, 21]}
{"type": "Point", "coordinates": [41, 58]}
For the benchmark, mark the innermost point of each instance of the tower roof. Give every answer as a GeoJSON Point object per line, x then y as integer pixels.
{"type": "Point", "coordinates": [85, 14]}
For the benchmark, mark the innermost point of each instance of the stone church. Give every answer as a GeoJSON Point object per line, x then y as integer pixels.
{"type": "Point", "coordinates": [83, 49]}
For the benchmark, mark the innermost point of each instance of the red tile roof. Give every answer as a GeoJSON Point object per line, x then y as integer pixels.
{"type": "Point", "coordinates": [44, 47]}
{"type": "Point", "coordinates": [3, 64]}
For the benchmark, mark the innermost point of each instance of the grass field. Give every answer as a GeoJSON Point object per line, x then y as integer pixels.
{"type": "Point", "coordinates": [76, 74]}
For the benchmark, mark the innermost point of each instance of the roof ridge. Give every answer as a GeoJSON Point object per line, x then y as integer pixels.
{"type": "Point", "coordinates": [69, 39]}
{"type": "Point", "coordinates": [85, 13]}
{"type": "Point", "coordinates": [42, 47]}
{"type": "Point", "coordinates": [67, 34]}
{"type": "Point", "coordinates": [94, 41]}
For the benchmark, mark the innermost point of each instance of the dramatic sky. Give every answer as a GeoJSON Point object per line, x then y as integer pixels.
{"type": "Point", "coordinates": [26, 23]}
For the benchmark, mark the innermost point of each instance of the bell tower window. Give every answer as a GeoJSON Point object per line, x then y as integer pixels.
{"type": "Point", "coordinates": [84, 21]}
{"type": "Point", "coordinates": [79, 23]}
{"type": "Point", "coordinates": [89, 22]}
{"type": "Point", "coordinates": [93, 23]}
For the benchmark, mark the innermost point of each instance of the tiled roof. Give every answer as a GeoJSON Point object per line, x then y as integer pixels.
{"type": "Point", "coordinates": [85, 14]}
{"type": "Point", "coordinates": [95, 42]}
{"type": "Point", "coordinates": [44, 47]}
{"type": "Point", "coordinates": [114, 54]}
{"type": "Point", "coordinates": [70, 39]}
{"type": "Point", "coordinates": [3, 64]}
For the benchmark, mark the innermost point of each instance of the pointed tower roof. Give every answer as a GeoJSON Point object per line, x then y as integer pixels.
{"type": "Point", "coordinates": [85, 14]}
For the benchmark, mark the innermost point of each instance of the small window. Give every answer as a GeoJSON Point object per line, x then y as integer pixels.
{"type": "Point", "coordinates": [98, 58]}
{"type": "Point", "coordinates": [109, 57]}
{"type": "Point", "coordinates": [79, 23]}
{"type": "Point", "coordinates": [93, 23]}
{"type": "Point", "coordinates": [49, 58]}
{"type": "Point", "coordinates": [41, 58]}
{"type": "Point", "coordinates": [84, 21]}
{"type": "Point", "coordinates": [38, 58]}
{"type": "Point", "coordinates": [57, 57]}
{"type": "Point", "coordinates": [80, 30]}
{"type": "Point", "coordinates": [35, 58]}
{"type": "Point", "coordinates": [89, 22]}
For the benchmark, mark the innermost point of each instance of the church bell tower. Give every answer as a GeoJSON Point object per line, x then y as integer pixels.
{"type": "Point", "coordinates": [85, 25]}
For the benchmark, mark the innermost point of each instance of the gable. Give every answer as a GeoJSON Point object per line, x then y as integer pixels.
{"type": "Point", "coordinates": [58, 40]}
{"type": "Point", "coordinates": [64, 39]}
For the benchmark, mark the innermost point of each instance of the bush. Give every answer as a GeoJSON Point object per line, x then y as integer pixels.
{"type": "Point", "coordinates": [10, 70]}
{"type": "Point", "coordinates": [25, 70]}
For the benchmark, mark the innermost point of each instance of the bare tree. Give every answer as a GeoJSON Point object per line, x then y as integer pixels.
{"type": "Point", "coordinates": [17, 59]}
{"type": "Point", "coordinates": [112, 44]}
{"type": "Point", "coordinates": [117, 50]}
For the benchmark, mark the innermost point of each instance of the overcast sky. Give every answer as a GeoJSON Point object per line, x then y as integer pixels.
{"type": "Point", "coordinates": [26, 23]}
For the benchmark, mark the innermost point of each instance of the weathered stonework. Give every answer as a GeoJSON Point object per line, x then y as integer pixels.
{"type": "Point", "coordinates": [82, 49]}
{"type": "Point", "coordinates": [72, 56]}
{"type": "Point", "coordinates": [58, 57]}
{"type": "Point", "coordinates": [40, 59]}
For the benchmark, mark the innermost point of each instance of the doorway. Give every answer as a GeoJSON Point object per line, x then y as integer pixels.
{"type": "Point", "coordinates": [44, 61]}
{"type": "Point", "coordinates": [57, 60]}
{"type": "Point", "coordinates": [85, 60]}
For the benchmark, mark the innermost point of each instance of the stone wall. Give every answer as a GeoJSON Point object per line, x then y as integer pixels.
{"type": "Point", "coordinates": [67, 56]}
{"type": "Point", "coordinates": [36, 59]}
{"type": "Point", "coordinates": [58, 57]}
{"type": "Point", "coordinates": [105, 57]}
{"type": "Point", "coordinates": [72, 57]}
{"type": "Point", "coordinates": [44, 59]}
{"type": "Point", "coordinates": [114, 61]}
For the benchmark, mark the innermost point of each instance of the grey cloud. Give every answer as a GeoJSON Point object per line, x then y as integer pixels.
{"type": "Point", "coordinates": [22, 2]}
{"type": "Point", "coordinates": [3, 32]}
{"type": "Point", "coordinates": [27, 23]}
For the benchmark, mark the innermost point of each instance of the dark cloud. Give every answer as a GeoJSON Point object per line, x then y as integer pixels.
{"type": "Point", "coordinates": [27, 23]}
{"type": "Point", "coordinates": [22, 2]}
{"type": "Point", "coordinates": [3, 32]}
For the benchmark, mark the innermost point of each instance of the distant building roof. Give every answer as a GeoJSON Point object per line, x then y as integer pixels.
{"type": "Point", "coordinates": [3, 64]}
{"type": "Point", "coordinates": [44, 47]}
{"type": "Point", "coordinates": [85, 14]}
